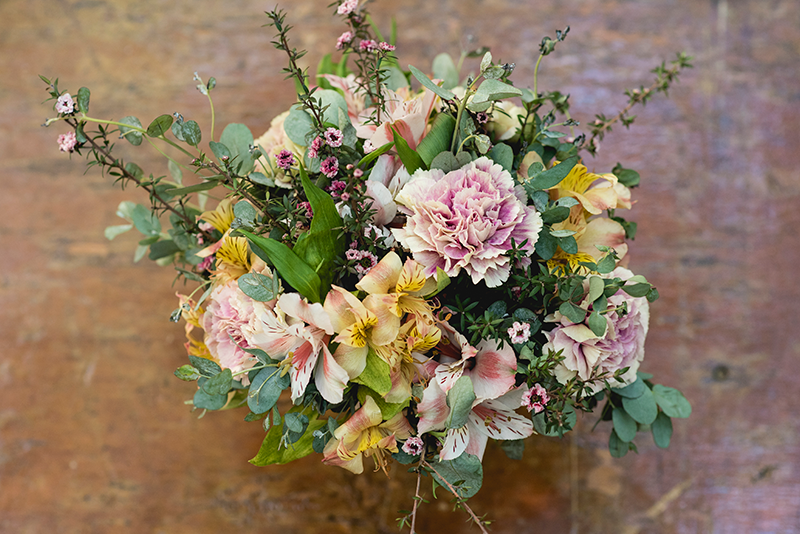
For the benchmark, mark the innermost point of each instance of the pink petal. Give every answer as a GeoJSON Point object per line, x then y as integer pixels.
{"type": "Point", "coordinates": [383, 277]}
{"type": "Point", "coordinates": [330, 377]}
{"type": "Point", "coordinates": [433, 409]}
{"type": "Point", "coordinates": [455, 443]}
{"type": "Point", "coordinates": [494, 371]}
{"type": "Point", "coordinates": [367, 416]}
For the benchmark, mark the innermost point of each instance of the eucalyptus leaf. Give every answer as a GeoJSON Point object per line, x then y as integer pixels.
{"type": "Point", "coordinates": [298, 126]}
{"type": "Point", "coordinates": [574, 313]}
{"type": "Point", "coordinates": [445, 69]}
{"type": "Point", "coordinates": [624, 425]}
{"type": "Point", "coordinates": [633, 390]}
{"type": "Point", "coordinates": [596, 287]}
{"type": "Point", "coordinates": [205, 366]}
{"type": "Point", "coordinates": [83, 99]}
{"type": "Point", "coordinates": [187, 373]}
{"type": "Point", "coordinates": [219, 384]}
{"type": "Point", "coordinates": [616, 446]}
{"type": "Point", "coordinates": [672, 401]}
{"type": "Point", "coordinates": [465, 473]}
{"type": "Point", "coordinates": [552, 176]}
{"type": "Point", "coordinates": [662, 430]}
{"type": "Point", "coordinates": [159, 126]}
{"type": "Point", "coordinates": [513, 448]}
{"type": "Point", "coordinates": [219, 150]}
{"type": "Point", "coordinates": [265, 389]}
{"type": "Point", "coordinates": [597, 323]}
{"type": "Point", "coordinates": [502, 154]}
{"type": "Point", "coordinates": [134, 137]}
{"type": "Point", "coordinates": [238, 139]}
{"type": "Point", "coordinates": [113, 231]}
{"type": "Point", "coordinates": [256, 286]}
{"type": "Point", "coordinates": [209, 402]}
{"type": "Point", "coordinates": [460, 398]}
{"type": "Point", "coordinates": [643, 408]}
{"type": "Point", "coordinates": [445, 94]}
{"type": "Point", "coordinates": [145, 221]}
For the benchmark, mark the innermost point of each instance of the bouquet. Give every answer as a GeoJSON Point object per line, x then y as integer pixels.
{"type": "Point", "coordinates": [415, 264]}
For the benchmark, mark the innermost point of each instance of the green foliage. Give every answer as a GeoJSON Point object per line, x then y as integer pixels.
{"type": "Point", "coordinates": [624, 425]}
{"type": "Point", "coordinates": [265, 389]}
{"type": "Point", "coordinates": [438, 139]}
{"type": "Point", "coordinates": [376, 374]}
{"type": "Point", "coordinates": [134, 137]}
{"type": "Point", "coordinates": [410, 158]}
{"type": "Point", "coordinates": [238, 140]}
{"type": "Point", "coordinates": [671, 401]}
{"type": "Point", "coordinates": [460, 399]}
{"type": "Point", "coordinates": [83, 99]}
{"type": "Point", "coordinates": [159, 126]}
{"type": "Point", "coordinates": [662, 430]}
{"type": "Point", "coordinates": [464, 473]}
{"type": "Point", "coordinates": [514, 448]}
{"type": "Point", "coordinates": [275, 451]}
{"type": "Point", "coordinates": [642, 409]}
{"type": "Point", "coordinates": [422, 78]}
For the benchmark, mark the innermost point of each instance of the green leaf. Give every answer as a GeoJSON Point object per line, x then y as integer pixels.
{"type": "Point", "coordinates": [552, 176]}
{"type": "Point", "coordinates": [204, 186]}
{"type": "Point", "coordinates": [597, 323]}
{"type": "Point", "coordinates": [643, 408]}
{"type": "Point", "coordinates": [292, 269]}
{"type": "Point", "coordinates": [568, 244]}
{"type": "Point", "coordinates": [442, 281]}
{"type": "Point", "coordinates": [444, 68]}
{"type": "Point", "coordinates": [333, 101]}
{"type": "Point", "coordinates": [266, 388]}
{"type": "Point", "coordinates": [444, 161]}
{"type": "Point", "coordinates": [245, 212]}
{"type": "Point", "coordinates": [145, 221]}
{"type": "Point", "coordinates": [460, 399]}
{"type": "Point", "coordinates": [294, 425]}
{"type": "Point", "coordinates": [83, 99]}
{"type": "Point", "coordinates": [633, 390]}
{"type": "Point", "coordinates": [438, 138]}
{"type": "Point", "coordinates": [616, 446]}
{"type": "Point", "coordinates": [637, 290]}
{"type": "Point", "coordinates": [322, 243]}
{"type": "Point", "coordinates": [369, 158]}
{"type": "Point", "coordinates": [606, 264]}
{"type": "Point", "coordinates": [624, 425]}
{"type": "Point", "coordinates": [410, 158]}
{"type": "Point", "coordinates": [205, 366]}
{"type": "Point", "coordinates": [503, 154]}
{"type": "Point", "coordinates": [219, 150]}
{"type": "Point", "coordinates": [209, 402]}
{"type": "Point", "coordinates": [672, 401]}
{"type": "Point", "coordinates": [134, 137]}
{"type": "Point", "coordinates": [175, 171]}
{"type": "Point", "coordinates": [376, 375]}
{"type": "Point", "coordinates": [574, 313]}
{"type": "Point", "coordinates": [187, 373]}
{"type": "Point", "coordinates": [256, 286]}
{"type": "Point", "coordinates": [596, 288]}
{"type": "Point", "coordinates": [546, 245]}
{"type": "Point", "coordinates": [395, 78]}
{"type": "Point", "coordinates": [662, 430]}
{"type": "Point", "coordinates": [113, 231]}
{"type": "Point", "coordinates": [191, 133]}
{"type": "Point", "coordinates": [271, 451]}
{"type": "Point", "coordinates": [555, 214]}
{"type": "Point", "coordinates": [568, 423]}
{"type": "Point", "coordinates": [445, 94]}
{"type": "Point", "coordinates": [298, 125]}
{"type": "Point", "coordinates": [160, 125]}
{"type": "Point", "coordinates": [239, 139]}
{"type": "Point", "coordinates": [465, 473]}
{"type": "Point", "coordinates": [513, 448]}
{"type": "Point", "coordinates": [162, 249]}
{"type": "Point", "coordinates": [219, 384]}
{"type": "Point", "coordinates": [627, 177]}
{"type": "Point", "coordinates": [495, 90]}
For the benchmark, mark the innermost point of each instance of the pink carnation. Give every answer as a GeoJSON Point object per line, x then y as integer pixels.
{"type": "Point", "coordinates": [228, 322]}
{"type": "Point", "coordinates": [587, 355]}
{"type": "Point", "coordinates": [466, 219]}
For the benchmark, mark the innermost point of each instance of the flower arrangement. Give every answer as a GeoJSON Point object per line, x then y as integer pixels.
{"type": "Point", "coordinates": [417, 270]}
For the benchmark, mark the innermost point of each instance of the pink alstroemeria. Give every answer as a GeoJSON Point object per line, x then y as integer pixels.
{"type": "Point", "coordinates": [297, 332]}
{"type": "Point", "coordinates": [399, 286]}
{"type": "Point", "coordinates": [365, 434]}
{"type": "Point", "coordinates": [494, 419]}
{"type": "Point", "coordinates": [406, 114]}
{"type": "Point", "coordinates": [491, 368]}
{"type": "Point", "coordinates": [353, 94]}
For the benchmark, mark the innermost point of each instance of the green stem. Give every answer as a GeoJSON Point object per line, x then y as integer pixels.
{"type": "Point", "coordinates": [536, 75]}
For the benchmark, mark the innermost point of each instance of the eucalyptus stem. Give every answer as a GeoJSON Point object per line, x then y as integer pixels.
{"type": "Point", "coordinates": [536, 76]}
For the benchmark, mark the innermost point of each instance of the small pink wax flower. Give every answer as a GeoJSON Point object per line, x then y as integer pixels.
{"type": "Point", "coordinates": [344, 39]}
{"type": "Point", "coordinates": [413, 446]}
{"type": "Point", "coordinates": [368, 45]}
{"type": "Point", "coordinates": [519, 332]}
{"type": "Point", "coordinates": [386, 47]}
{"type": "Point", "coordinates": [306, 206]}
{"type": "Point", "coordinates": [64, 104]}
{"type": "Point", "coordinates": [333, 137]}
{"type": "Point", "coordinates": [285, 159]}
{"type": "Point", "coordinates": [313, 150]}
{"type": "Point", "coordinates": [368, 147]}
{"type": "Point", "coordinates": [347, 7]}
{"type": "Point", "coordinates": [67, 142]}
{"type": "Point", "coordinates": [330, 167]}
{"type": "Point", "coordinates": [535, 399]}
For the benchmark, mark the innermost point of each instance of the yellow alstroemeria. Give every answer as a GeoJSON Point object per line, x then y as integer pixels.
{"type": "Point", "coordinates": [221, 217]}
{"type": "Point", "coordinates": [588, 234]}
{"type": "Point", "coordinates": [233, 259]}
{"type": "Point", "coordinates": [361, 326]}
{"type": "Point", "coordinates": [191, 313]}
{"type": "Point", "coordinates": [399, 286]}
{"type": "Point", "coordinates": [366, 434]}
{"type": "Point", "coordinates": [595, 192]}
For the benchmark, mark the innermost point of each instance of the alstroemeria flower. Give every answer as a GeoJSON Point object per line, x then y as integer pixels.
{"type": "Point", "coordinates": [361, 326]}
{"type": "Point", "coordinates": [588, 234]}
{"type": "Point", "coordinates": [365, 434]}
{"type": "Point", "coordinates": [407, 114]}
{"type": "Point", "coordinates": [595, 192]}
{"type": "Point", "coordinates": [494, 419]}
{"type": "Point", "coordinates": [354, 95]}
{"type": "Point", "coordinates": [297, 333]}
{"type": "Point", "coordinates": [399, 286]}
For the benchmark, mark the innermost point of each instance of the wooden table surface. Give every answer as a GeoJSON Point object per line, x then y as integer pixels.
{"type": "Point", "coordinates": [94, 433]}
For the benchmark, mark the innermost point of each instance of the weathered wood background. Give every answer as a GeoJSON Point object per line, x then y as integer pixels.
{"type": "Point", "coordinates": [94, 433]}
